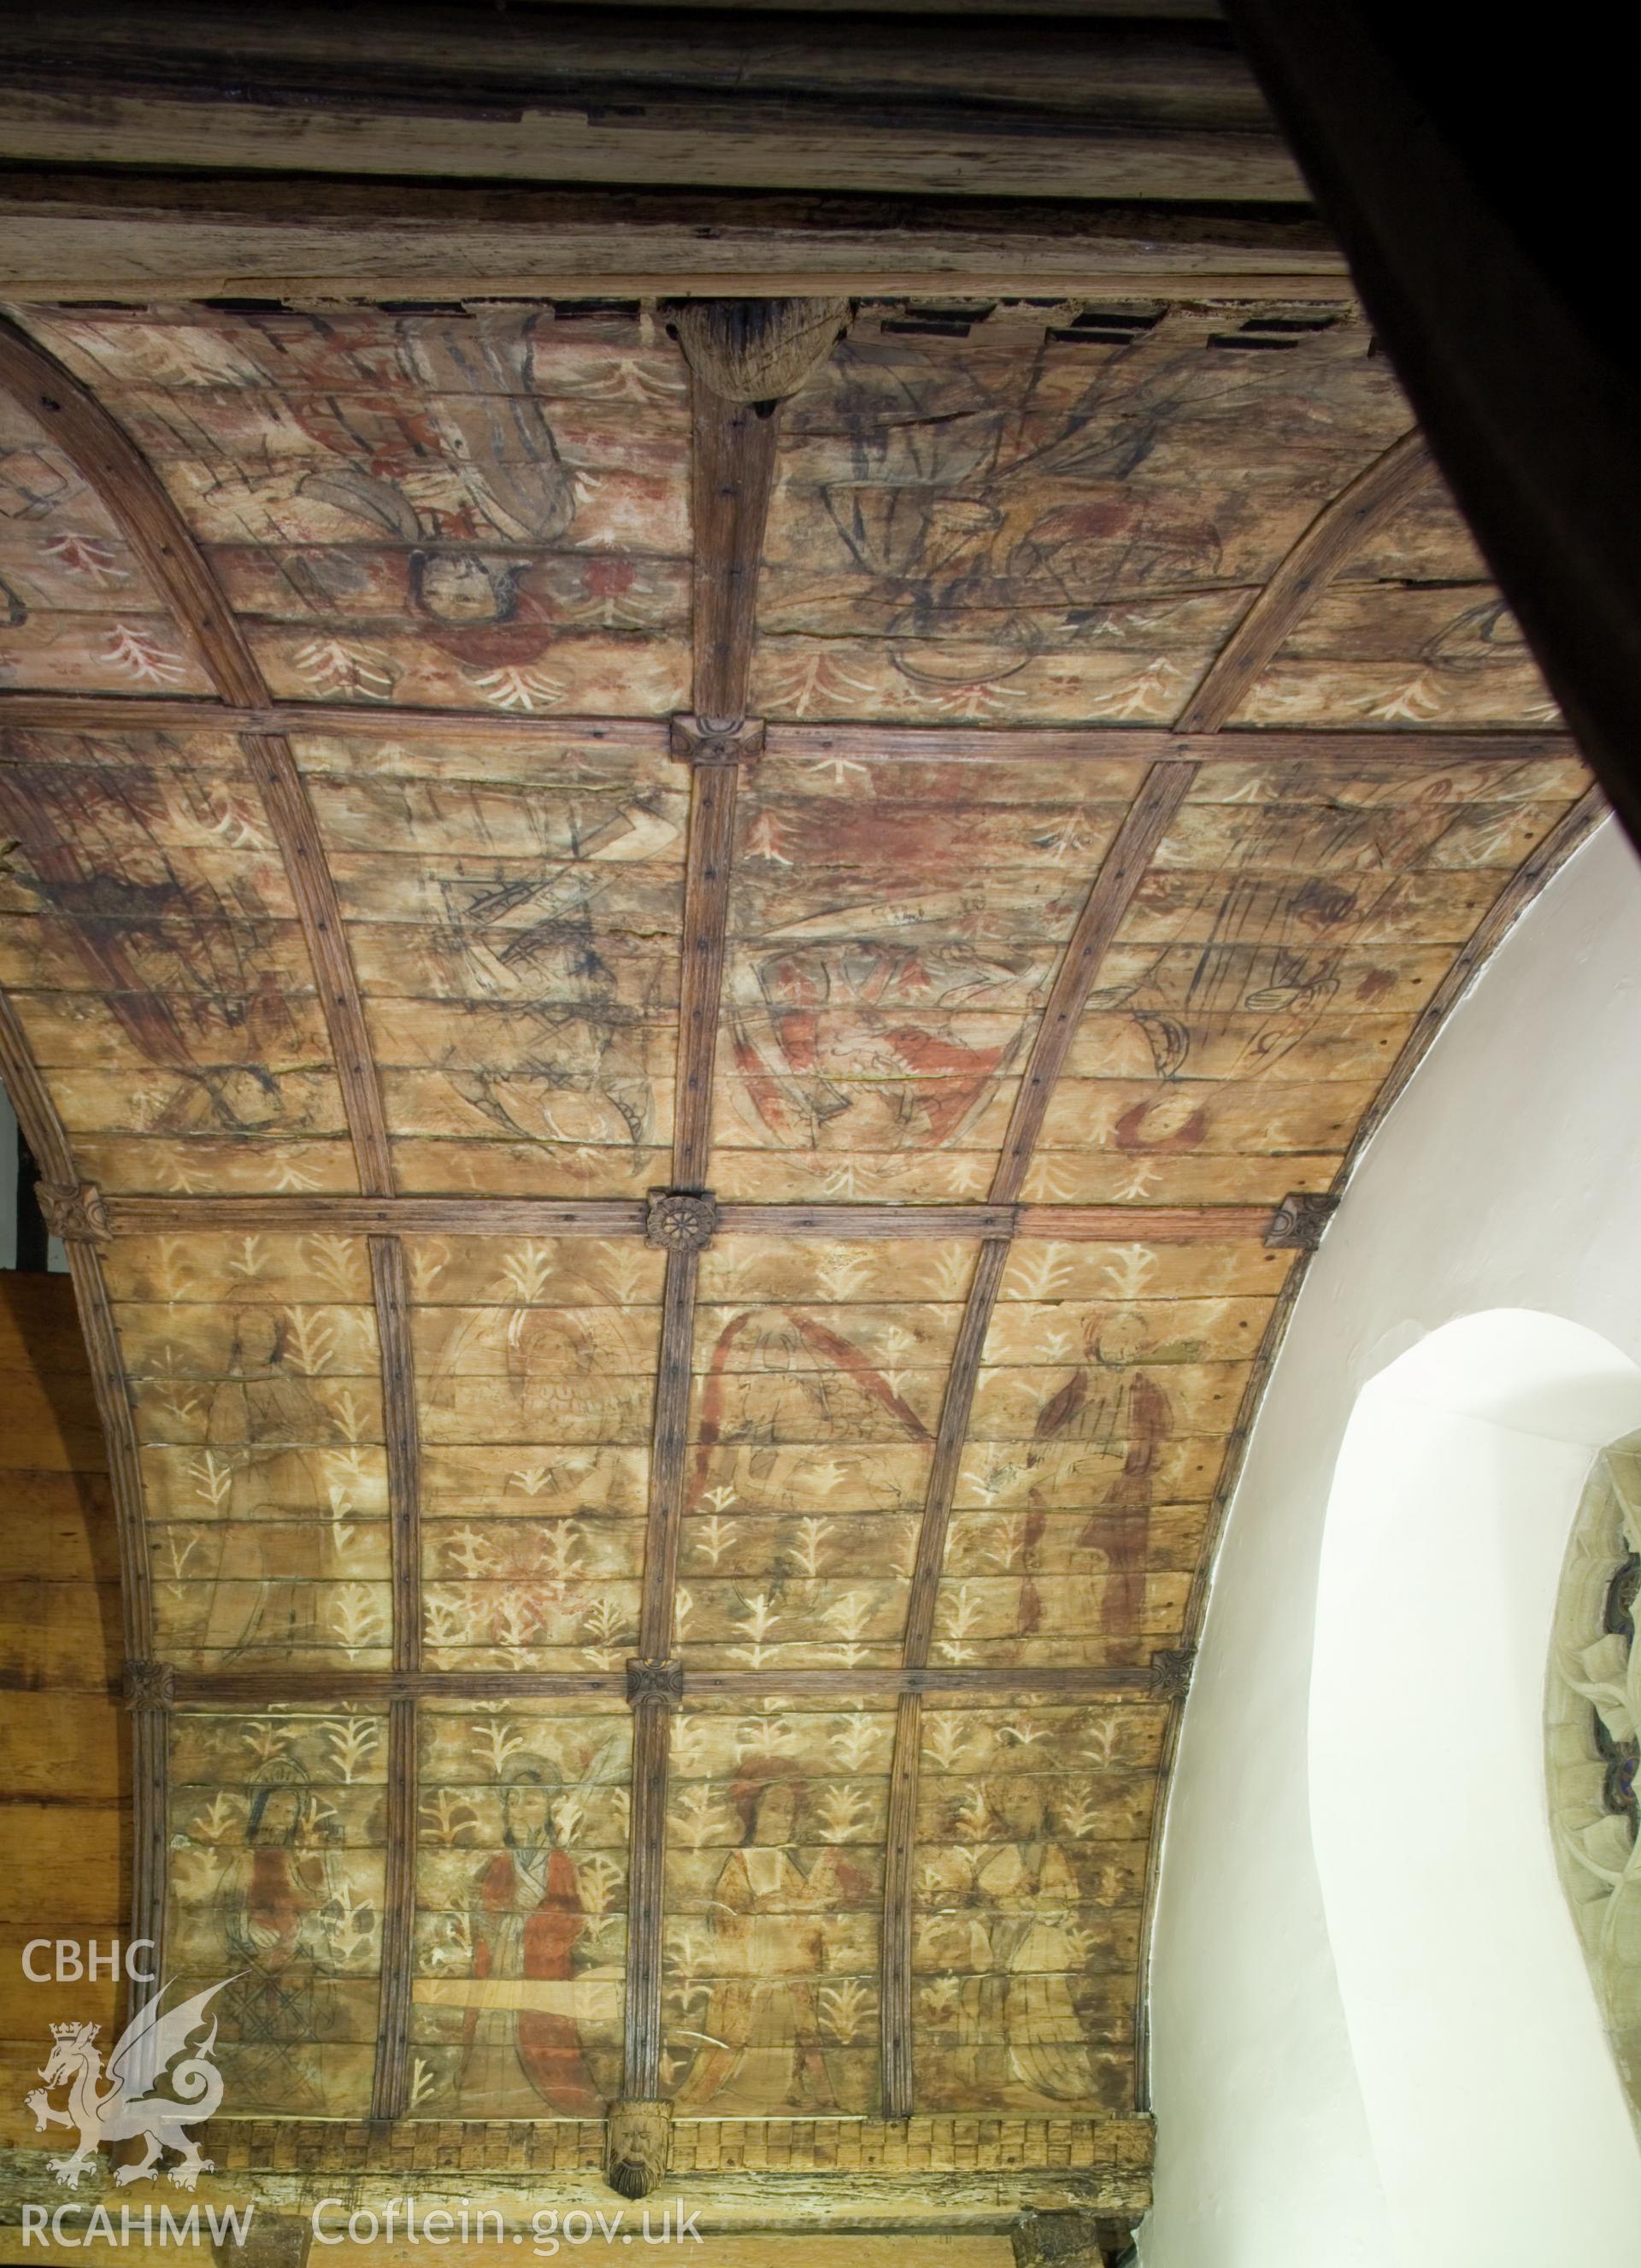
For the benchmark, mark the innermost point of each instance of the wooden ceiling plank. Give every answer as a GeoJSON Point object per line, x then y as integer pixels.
{"type": "Point", "coordinates": [47, 1139]}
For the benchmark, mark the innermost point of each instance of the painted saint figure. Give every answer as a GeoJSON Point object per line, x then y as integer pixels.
{"type": "Point", "coordinates": [763, 2050]}
{"type": "Point", "coordinates": [1035, 2039]}
{"type": "Point", "coordinates": [523, 2049]}
{"type": "Point", "coordinates": [270, 1905]}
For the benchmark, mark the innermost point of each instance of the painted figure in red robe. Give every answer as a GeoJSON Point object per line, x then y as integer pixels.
{"type": "Point", "coordinates": [523, 2049]}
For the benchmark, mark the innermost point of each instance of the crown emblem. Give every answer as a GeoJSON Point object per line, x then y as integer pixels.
{"type": "Point", "coordinates": [76, 2031]}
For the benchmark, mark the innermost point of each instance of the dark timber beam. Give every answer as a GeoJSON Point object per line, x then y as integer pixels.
{"type": "Point", "coordinates": [1491, 280]}
{"type": "Point", "coordinates": [140, 239]}
{"type": "Point", "coordinates": [73, 1208]}
{"type": "Point", "coordinates": [903, 106]}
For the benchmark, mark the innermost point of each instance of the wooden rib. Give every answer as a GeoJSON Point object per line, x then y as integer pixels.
{"type": "Point", "coordinates": [619, 1217]}
{"type": "Point", "coordinates": [1574, 829]}
{"type": "Point", "coordinates": [1121, 874]}
{"type": "Point", "coordinates": [895, 1951]}
{"type": "Point", "coordinates": [47, 1138]}
{"type": "Point", "coordinates": [866, 744]}
{"type": "Point", "coordinates": [1154, 744]}
{"type": "Point", "coordinates": [296, 830]}
{"type": "Point", "coordinates": [126, 712]}
{"type": "Point", "coordinates": [390, 1279]}
{"type": "Point", "coordinates": [131, 491]}
{"type": "Point", "coordinates": [1331, 541]}
{"type": "Point", "coordinates": [895, 1945]}
{"type": "Point", "coordinates": [389, 2085]}
{"type": "Point", "coordinates": [646, 1880]}
{"type": "Point", "coordinates": [345, 1215]}
{"type": "Point", "coordinates": [126, 485]}
{"type": "Point", "coordinates": [1225, 1224]}
{"type": "Point", "coordinates": [948, 1450]}
{"type": "Point", "coordinates": [706, 918]}
{"type": "Point", "coordinates": [259, 1689]}
{"type": "Point", "coordinates": [732, 475]}
{"type": "Point", "coordinates": [668, 1455]}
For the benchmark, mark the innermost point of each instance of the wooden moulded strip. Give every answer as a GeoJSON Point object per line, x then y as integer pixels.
{"type": "Point", "coordinates": [619, 1217]}
{"type": "Point", "coordinates": [1327, 545]}
{"type": "Point", "coordinates": [256, 1688]}
{"type": "Point", "coordinates": [886, 744]}
{"type": "Point", "coordinates": [388, 2087]}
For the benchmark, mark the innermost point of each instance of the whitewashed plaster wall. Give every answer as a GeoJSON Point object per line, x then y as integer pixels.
{"type": "Point", "coordinates": [1506, 1178]}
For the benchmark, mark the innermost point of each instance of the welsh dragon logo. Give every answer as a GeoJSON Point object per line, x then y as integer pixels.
{"type": "Point", "coordinates": [120, 2106]}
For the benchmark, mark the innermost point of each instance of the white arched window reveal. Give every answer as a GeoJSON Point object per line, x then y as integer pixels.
{"type": "Point", "coordinates": [1498, 2120]}
{"type": "Point", "coordinates": [1592, 1714]}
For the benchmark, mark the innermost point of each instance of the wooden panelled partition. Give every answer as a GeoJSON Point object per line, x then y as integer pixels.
{"type": "Point", "coordinates": [65, 1831]}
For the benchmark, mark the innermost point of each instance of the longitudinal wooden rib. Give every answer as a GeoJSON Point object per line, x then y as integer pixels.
{"type": "Point", "coordinates": [138, 501]}
{"type": "Point", "coordinates": [1120, 876]}
{"type": "Point", "coordinates": [618, 1216]}
{"type": "Point", "coordinates": [388, 2085]}
{"type": "Point", "coordinates": [732, 475]}
{"type": "Point", "coordinates": [47, 1139]}
{"type": "Point", "coordinates": [296, 830]}
{"type": "Point", "coordinates": [706, 917]}
{"type": "Point", "coordinates": [390, 1280]}
{"type": "Point", "coordinates": [259, 1689]}
{"type": "Point", "coordinates": [669, 1440]}
{"type": "Point", "coordinates": [1027, 744]}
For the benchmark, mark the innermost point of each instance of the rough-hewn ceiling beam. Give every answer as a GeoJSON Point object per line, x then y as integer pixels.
{"type": "Point", "coordinates": [155, 238]}
{"type": "Point", "coordinates": [1088, 110]}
